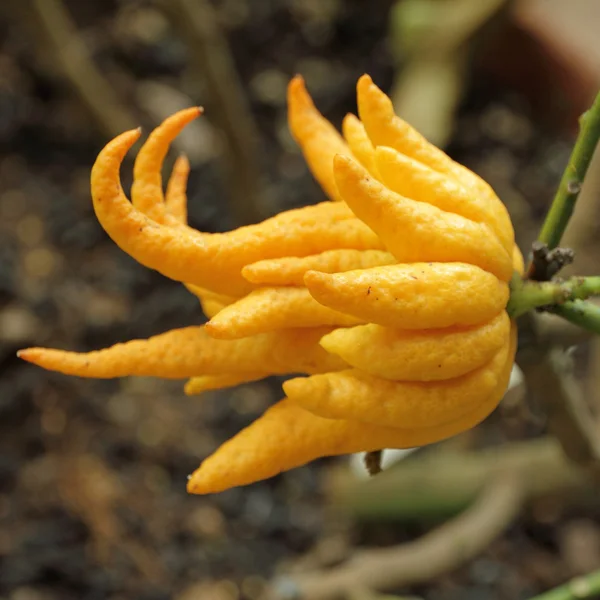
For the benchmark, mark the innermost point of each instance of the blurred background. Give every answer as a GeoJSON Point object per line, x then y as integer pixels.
{"type": "Point", "coordinates": [92, 473]}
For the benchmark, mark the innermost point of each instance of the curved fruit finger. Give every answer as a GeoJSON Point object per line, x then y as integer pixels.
{"type": "Point", "coordinates": [296, 437]}
{"type": "Point", "coordinates": [210, 302]}
{"type": "Point", "coordinates": [290, 270]}
{"type": "Point", "coordinates": [317, 137]}
{"type": "Point", "coordinates": [271, 308]}
{"type": "Point", "coordinates": [418, 355]}
{"type": "Point", "coordinates": [204, 383]}
{"type": "Point", "coordinates": [385, 128]}
{"type": "Point", "coordinates": [176, 195]}
{"type": "Point", "coordinates": [215, 261]}
{"type": "Point", "coordinates": [187, 352]}
{"type": "Point", "coordinates": [146, 190]}
{"type": "Point", "coordinates": [416, 231]}
{"type": "Point", "coordinates": [410, 178]}
{"type": "Point", "coordinates": [356, 395]}
{"type": "Point", "coordinates": [413, 296]}
{"type": "Point", "coordinates": [360, 144]}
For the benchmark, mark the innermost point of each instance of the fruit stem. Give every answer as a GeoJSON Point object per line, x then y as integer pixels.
{"type": "Point", "coordinates": [526, 295]}
{"type": "Point", "coordinates": [581, 313]}
{"type": "Point", "coordinates": [569, 187]}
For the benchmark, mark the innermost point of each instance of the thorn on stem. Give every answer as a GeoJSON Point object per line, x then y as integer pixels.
{"type": "Point", "coordinates": [574, 187]}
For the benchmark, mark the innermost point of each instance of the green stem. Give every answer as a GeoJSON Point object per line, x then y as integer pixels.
{"type": "Point", "coordinates": [579, 588]}
{"type": "Point", "coordinates": [570, 185]}
{"type": "Point", "coordinates": [581, 313]}
{"type": "Point", "coordinates": [526, 295]}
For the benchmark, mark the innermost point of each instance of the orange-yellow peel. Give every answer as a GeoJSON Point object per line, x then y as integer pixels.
{"type": "Point", "coordinates": [176, 194]}
{"type": "Point", "coordinates": [215, 261]}
{"type": "Point", "coordinates": [412, 179]}
{"type": "Point", "coordinates": [359, 143]}
{"type": "Point", "coordinates": [204, 383]}
{"type": "Point", "coordinates": [421, 354]}
{"type": "Point", "coordinates": [272, 308]}
{"type": "Point", "coordinates": [316, 136]}
{"type": "Point", "coordinates": [385, 128]}
{"type": "Point", "coordinates": [413, 295]}
{"type": "Point", "coordinates": [390, 301]}
{"type": "Point", "coordinates": [190, 351]}
{"type": "Point", "coordinates": [146, 191]}
{"type": "Point", "coordinates": [296, 437]}
{"type": "Point", "coordinates": [356, 395]}
{"type": "Point", "coordinates": [418, 231]}
{"type": "Point", "coordinates": [290, 270]}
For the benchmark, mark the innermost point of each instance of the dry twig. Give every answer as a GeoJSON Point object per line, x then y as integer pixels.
{"type": "Point", "coordinates": [438, 552]}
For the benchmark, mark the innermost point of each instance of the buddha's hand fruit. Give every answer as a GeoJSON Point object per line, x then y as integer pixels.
{"type": "Point", "coordinates": [391, 299]}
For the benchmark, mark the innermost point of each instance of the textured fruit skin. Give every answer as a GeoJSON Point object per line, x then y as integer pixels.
{"type": "Point", "coordinates": [387, 129]}
{"type": "Point", "coordinates": [190, 351]}
{"type": "Point", "coordinates": [412, 179]}
{"type": "Point", "coordinates": [391, 301]}
{"type": "Point", "coordinates": [269, 309]}
{"type": "Point", "coordinates": [204, 383]}
{"type": "Point", "coordinates": [297, 437]}
{"type": "Point", "coordinates": [290, 270]}
{"type": "Point", "coordinates": [176, 194]}
{"type": "Point", "coordinates": [418, 231]}
{"type": "Point", "coordinates": [359, 143]}
{"type": "Point", "coordinates": [215, 261]}
{"type": "Point", "coordinates": [146, 190]}
{"type": "Point", "coordinates": [414, 295]}
{"type": "Point", "coordinates": [354, 394]}
{"type": "Point", "coordinates": [418, 355]}
{"type": "Point", "coordinates": [317, 137]}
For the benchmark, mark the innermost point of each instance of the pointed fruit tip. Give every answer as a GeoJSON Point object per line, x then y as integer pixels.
{"type": "Point", "coordinates": [315, 278]}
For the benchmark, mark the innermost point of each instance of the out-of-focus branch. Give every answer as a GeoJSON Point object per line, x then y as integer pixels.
{"type": "Point", "coordinates": [364, 594]}
{"type": "Point", "coordinates": [196, 21]}
{"type": "Point", "coordinates": [440, 484]}
{"type": "Point", "coordinates": [430, 41]}
{"type": "Point", "coordinates": [440, 551]}
{"type": "Point", "coordinates": [550, 380]}
{"type": "Point", "coordinates": [580, 588]}
{"type": "Point", "coordinates": [69, 54]}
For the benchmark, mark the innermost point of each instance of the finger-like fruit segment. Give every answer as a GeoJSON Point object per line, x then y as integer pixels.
{"type": "Point", "coordinates": [176, 195]}
{"type": "Point", "coordinates": [359, 143]}
{"type": "Point", "coordinates": [297, 437]}
{"type": "Point", "coordinates": [204, 383]}
{"type": "Point", "coordinates": [187, 352]}
{"type": "Point", "coordinates": [356, 395]}
{"type": "Point", "coordinates": [211, 303]}
{"type": "Point", "coordinates": [290, 270]}
{"type": "Point", "coordinates": [315, 135]}
{"type": "Point", "coordinates": [518, 262]}
{"type": "Point", "coordinates": [418, 355]}
{"type": "Point", "coordinates": [271, 308]}
{"type": "Point", "coordinates": [146, 191]}
{"type": "Point", "coordinates": [413, 296]}
{"type": "Point", "coordinates": [412, 179]}
{"type": "Point", "coordinates": [415, 231]}
{"type": "Point", "coordinates": [385, 128]}
{"type": "Point", "coordinates": [215, 261]}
